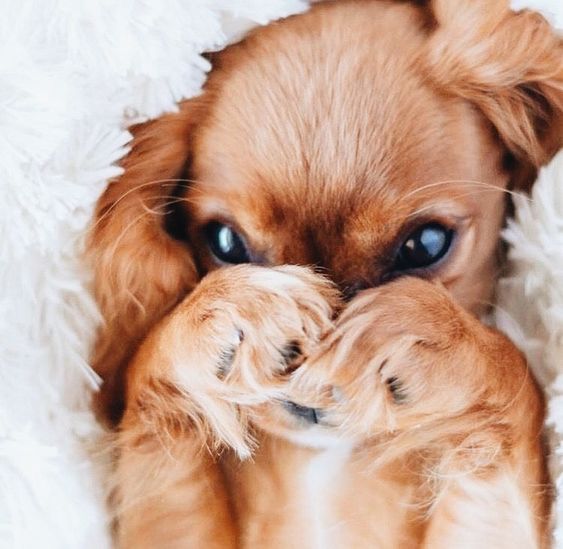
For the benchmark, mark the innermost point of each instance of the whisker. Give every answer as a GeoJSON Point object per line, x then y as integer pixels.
{"type": "Point", "coordinates": [175, 200]}
{"type": "Point", "coordinates": [472, 182]}
{"type": "Point", "coordinates": [146, 211]}
{"type": "Point", "coordinates": [463, 195]}
{"type": "Point", "coordinates": [171, 182]}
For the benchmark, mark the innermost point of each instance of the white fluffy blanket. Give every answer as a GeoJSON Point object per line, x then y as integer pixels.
{"type": "Point", "coordinates": [73, 75]}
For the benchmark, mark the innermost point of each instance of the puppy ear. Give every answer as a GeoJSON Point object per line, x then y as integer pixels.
{"type": "Point", "coordinates": [140, 271]}
{"type": "Point", "coordinates": [509, 64]}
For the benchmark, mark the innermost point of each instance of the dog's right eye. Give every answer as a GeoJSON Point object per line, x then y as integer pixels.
{"type": "Point", "coordinates": [225, 243]}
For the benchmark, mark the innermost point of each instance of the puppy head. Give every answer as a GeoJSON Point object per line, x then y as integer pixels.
{"type": "Point", "coordinates": [331, 143]}
{"type": "Point", "coordinates": [368, 139]}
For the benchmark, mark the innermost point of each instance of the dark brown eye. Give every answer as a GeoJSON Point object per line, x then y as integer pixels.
{"type": "Point", "coordinates": [225, 243]}
{"type": "Point", "coordinates": [423, 247]}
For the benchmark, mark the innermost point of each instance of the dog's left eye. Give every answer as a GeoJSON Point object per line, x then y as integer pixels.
{"type": "Point", "coordinates": [424, 246]}
{"type": "Point", "coordinates": [225, 243]}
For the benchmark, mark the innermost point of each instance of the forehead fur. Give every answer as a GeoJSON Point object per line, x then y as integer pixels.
{"type": "Point", "coordinates": [334, 112]}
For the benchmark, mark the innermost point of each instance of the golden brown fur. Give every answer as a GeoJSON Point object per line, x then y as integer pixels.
{"type": "Point", "coordinates": [324, 140]}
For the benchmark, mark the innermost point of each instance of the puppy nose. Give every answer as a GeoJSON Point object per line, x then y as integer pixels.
{"type": "Point", "coordinates": [350, 291]}
{"type": "Point", "coordinates": [310, 415]}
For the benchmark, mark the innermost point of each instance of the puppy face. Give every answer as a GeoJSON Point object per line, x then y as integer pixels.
{"type": "Point", "coordinates": [356, 165]}
{"type": "Point", "coordinates": [366, 138]}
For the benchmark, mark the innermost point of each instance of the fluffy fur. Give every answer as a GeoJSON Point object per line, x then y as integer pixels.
{"type": "Point", "coordinates": [434, 130]}
{"type": "Point", "coordinates": [529, 303]}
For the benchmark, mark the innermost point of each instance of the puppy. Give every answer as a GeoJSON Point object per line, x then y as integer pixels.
{"type": "Point", "coordinates": [374, 142]}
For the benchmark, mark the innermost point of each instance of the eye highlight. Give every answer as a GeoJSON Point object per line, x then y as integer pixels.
{"type": "Point", "coordinates": [225, 243]}
{"type": "Point", "coordinates": [423, 247]}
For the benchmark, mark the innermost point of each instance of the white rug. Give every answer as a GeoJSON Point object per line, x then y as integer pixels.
{"type": "Point", "coordinates": [73, 75]}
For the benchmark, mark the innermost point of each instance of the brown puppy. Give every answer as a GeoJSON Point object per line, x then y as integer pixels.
{"type": "Point", "coordinates": [373, 141]}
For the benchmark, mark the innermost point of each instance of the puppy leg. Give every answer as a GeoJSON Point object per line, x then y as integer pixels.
{"type": "Point", "coordinates": [191, 389]}
{"type": "Point", "coordinates": [411, 371]}
{"type": "Point", "coordinates": [491, 508]}
{"type": "Point", "coordinates": [171, 492]}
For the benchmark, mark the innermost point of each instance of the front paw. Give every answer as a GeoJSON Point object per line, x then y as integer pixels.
{"type": "Point", "coordinates": [405, 355]}
{"type": "Point", "coordinates": [230, 345]}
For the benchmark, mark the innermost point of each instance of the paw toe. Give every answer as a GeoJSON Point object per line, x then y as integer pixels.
{"type": "Point", "coordinates": [292, 356]}
{"type": "Point", "coordinates": [397, 389]}
{"type": "Point", "coordinates": [227, 355]}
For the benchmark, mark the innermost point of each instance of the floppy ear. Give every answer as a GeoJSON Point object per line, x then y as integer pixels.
{"type": "Point", "coordinates": [140, 271]}
{"type": "Point", "coordinates": [508, 64]}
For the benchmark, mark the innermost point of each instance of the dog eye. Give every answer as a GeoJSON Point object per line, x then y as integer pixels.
{"type": "Point", "coordinates": [225, 243]}
{"type": "Point", "coordinates": [423, 247]}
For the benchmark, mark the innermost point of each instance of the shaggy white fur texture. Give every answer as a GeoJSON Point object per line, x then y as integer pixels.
{"type": "Point", "coordinates": [530, 302]}
{"type": "Point", "coordinates": [73, 75]}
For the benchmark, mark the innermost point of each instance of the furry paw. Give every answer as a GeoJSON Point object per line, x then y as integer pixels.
{"type": "Point", "coordinates": [230, 345]}
{"type": "Point", "coordinates": [406, 355]}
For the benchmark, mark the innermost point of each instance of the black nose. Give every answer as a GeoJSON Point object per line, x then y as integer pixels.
{"type": "Point", "coordinates": [349, 291]}
{"type": "Point", "coordinates": [310, 415]}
